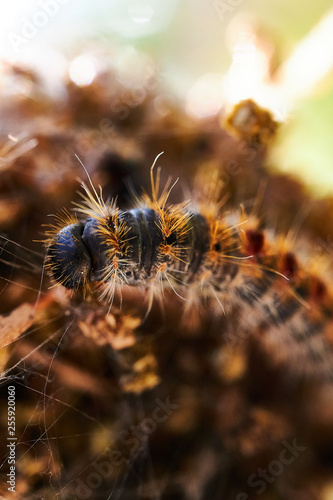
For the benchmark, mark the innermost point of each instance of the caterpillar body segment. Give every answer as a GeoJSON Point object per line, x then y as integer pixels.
{"type": "Point", "coordinates": [225, 262]}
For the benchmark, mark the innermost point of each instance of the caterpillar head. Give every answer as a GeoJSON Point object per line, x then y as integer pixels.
{"type": "Point", "coordinates": [68, 258]}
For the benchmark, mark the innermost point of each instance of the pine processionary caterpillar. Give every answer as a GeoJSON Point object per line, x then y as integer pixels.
{"type": "Point", "coordinates": [205, 256]}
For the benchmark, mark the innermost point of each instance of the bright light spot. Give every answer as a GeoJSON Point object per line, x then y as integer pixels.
{"type": "Point", "coordinates": [134, 19]}
{"type": "Point", "coordinates": [141, 13]}
{"type": "Point", "coordinates": [248, 70]}
{"type": "Point", "coordinates": [249, 75]}
{"type": "Point", "coordinates": [205, 97]}
{"type": "Point", "coordinates": [311, 61]}
{"type": "Point", "coordinates": [82, 71]}
{"type": "Point", "coordinates": [13, 138]}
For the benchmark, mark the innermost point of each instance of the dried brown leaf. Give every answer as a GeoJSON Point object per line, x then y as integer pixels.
{"type": "Point", "coordinates": [17, 322]}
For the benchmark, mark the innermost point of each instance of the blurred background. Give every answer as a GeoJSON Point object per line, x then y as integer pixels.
{"type": "Point", "coordinates": [116, 82]}
{"type": "Point", "coordinates": [209, 53]}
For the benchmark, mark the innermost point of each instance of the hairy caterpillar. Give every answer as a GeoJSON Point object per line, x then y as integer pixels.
{"type": "Point", "coordinates": [207, 256]}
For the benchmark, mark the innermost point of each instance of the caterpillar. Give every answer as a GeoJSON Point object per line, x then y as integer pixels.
{"type": "Point", "coordinates": [209, 257]}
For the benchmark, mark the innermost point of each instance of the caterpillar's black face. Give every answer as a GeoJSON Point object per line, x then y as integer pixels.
{"type": "Point", "coordinates": [68, 258]}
